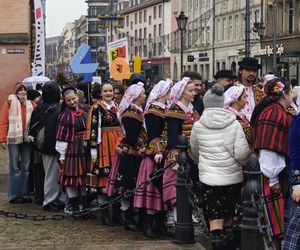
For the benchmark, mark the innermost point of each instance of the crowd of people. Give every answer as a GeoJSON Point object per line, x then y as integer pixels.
{"type": "Point", "coordinates": [95, 152]}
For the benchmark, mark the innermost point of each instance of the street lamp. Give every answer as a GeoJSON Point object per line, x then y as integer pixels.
{"type": "Point", "coordinates": [181, 24]}
{"type": "Point", "coordinates": [259, 28]}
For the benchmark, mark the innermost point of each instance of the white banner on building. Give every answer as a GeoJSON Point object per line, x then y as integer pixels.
{"type": "Point", "coordinates": [38, 65]}
{"type": "Point", "coordinates": [118, 48]}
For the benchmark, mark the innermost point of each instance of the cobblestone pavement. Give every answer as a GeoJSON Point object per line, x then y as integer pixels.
{"type": "Point", "coordinates": [69, 233]}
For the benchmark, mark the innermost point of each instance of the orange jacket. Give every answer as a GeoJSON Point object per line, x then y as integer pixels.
{"type": "Point", "coordinates": [4, 119]}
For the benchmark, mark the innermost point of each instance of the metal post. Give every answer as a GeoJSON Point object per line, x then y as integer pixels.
{"type": "Point", "coordinates": [247, 29]}
{"type": "Point", "coordinates": [251, 237]}
{"type": "Point", "coordinates": [163, 38]}
{"type": "Point", "coordinates": [181, 53]}
{"type": "Point", "coordinates": [274, 37]}
{"type": "Point", "coordinates": [213, 38]}
{"type": "Point", "coordinates": [261, 37]}
{"type": "Point", "coordinates": [184, 228]}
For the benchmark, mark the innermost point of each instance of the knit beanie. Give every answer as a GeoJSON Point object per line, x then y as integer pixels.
{"type": "Point", "coordinates": [18, 86]}
{"type": "Point", "coordinates": [214, 98]}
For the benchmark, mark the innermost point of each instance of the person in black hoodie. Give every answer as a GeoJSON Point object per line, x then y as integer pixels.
{"type": "Point", "coordinates": [46, 113]}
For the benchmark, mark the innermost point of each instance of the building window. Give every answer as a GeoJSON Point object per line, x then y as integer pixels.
{"type": "Point", "coordinates": [140, 17]}
{"type": "Point", "coordinates": [154, 31]}
{"type": "Point", "coordinates": [159, 11]}
{"type": "Point", "coordinates": [145, 16]}
{"type": "Point", "coordinates": [256, 16]}
{"type": "Point", "coordinates": [150, 20]}
{"type": "Point", "coordinates": [224, 28]}
{"type": "Point", "coordinates": [218, 66]}
{"type": "Point", "coordinates": [136, 34]}
{"type": "Point", "coordinates": [159, 49]}
{"type": "Point", "coordinates": [230, 27]}
{"type": "Point", "coordinates": [236, 25]}
{"type": "Point", "coordinates": [135, 18]}
{"type": "Point", "coordinates": [93, 26]}
{"type": "Point", "coordinates": [127, 21]}
{"type": "Point", "coordinates": [291, 13]}
{"type": "Point", "coordinates": [145, 51]}
{"type": "Point", "coordinates": [208, 35]}
{"type": "Point", "coordinates": [154, 49]}
{"type": "Point", "coordinates": [145, 32]}
{"type": "Point", "coordinates": [154, 12]}
{"type": "Point", "coordinates": [223, 65]}
{"type": "Point", "coordinates": [95, 11]}
{"type": "Point", "coordinates": [131, 25]}
{"type": "Point", "coordinates": [159, 30]}
{"type": "Point", "coordinates": [202, 35]}
{"type": "Point", "coordinates": [218, 29]}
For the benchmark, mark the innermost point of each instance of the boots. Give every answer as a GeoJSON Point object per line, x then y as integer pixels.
{"type": "Point", "coordinates": [148, 227]}
{"type": "Point", "coordinates": [217, 245]}
{"type": "Point", "coordinates": [129, 221]}
{"type": "Point", "coordinates": [117, 216]}
{"type": "Point", "coordinates": [106, 219]}
{"type": "Point", "coordinates": [141, 219]}
{"type": "Point", "coordinates": [73, 205]}
{"type": "Point", "coordinates": [160, 227]}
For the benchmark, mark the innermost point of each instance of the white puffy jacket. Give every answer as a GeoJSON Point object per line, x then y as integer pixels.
{"type": "Point", "coordinates": [219, 146]}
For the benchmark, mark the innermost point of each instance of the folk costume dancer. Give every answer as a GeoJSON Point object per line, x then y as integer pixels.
{"type": "Point", "coordinates": [74, 155]}
{"type": "Point", "coordinates": [271, 122]}
{"type": "Point", "coordinates": [150, 196]}
{"type": "Point", "coordinates": [235, 101]}
{"type": "Point", "coordinates": [104, 135]}
{"type": "Point", "coordinates": [130, 150]}
{"type": "Point", "coordinates": [180, 118]}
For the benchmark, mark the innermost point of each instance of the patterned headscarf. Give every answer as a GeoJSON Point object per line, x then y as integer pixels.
{"type": "Point", "coordinates": [159, 90]}
{"type": "Point", "coordinates": [177, 90]}
{"type": "Point", "coordinates": [130, 95]}
{"type": "Point", "coordinates": [233, 94]}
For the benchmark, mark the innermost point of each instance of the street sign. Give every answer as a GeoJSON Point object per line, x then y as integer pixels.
{"type": "Point", "coordinates": [78, 66]}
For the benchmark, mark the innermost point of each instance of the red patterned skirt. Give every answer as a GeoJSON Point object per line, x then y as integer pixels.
{"type": "Point", "coordinates": [74, 170]}
{"type": "Point", "coordinates": [98, 174]}
{"type": "Point", "coordinates": [273, 209]}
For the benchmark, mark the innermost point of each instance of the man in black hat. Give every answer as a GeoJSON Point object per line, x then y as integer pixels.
{"type": "Point", "coordinates": [225, 78]}
{"type": "Point", "coordinates": [248, 70]}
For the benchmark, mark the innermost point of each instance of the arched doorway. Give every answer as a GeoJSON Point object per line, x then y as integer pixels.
{"type": "Point", "coordinates": [233, 67]}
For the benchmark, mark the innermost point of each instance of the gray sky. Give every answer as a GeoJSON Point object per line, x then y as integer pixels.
{"type": "Point", "coordinates": [59, 12]}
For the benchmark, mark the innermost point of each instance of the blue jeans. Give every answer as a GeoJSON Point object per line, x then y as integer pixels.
{"type": "Point", "coordinates": [19, 160]}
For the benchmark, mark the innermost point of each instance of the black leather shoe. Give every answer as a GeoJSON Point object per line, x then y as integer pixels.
{"type": "Point", "coordinates": [106, 219]}
{"type": "Point", "coordinates": [51, 207]}
{"type": "Point", "coordinates": [27, 200]}
{"type": "Point", "coordinates": [17, 201]}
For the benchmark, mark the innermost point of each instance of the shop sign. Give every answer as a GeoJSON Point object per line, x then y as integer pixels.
{"type": "Point", "coordinates": [268, 50]}
{"type": "Point", "coordinates": [13, 51]}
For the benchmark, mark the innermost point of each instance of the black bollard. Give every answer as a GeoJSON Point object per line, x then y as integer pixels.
{"type": "Point", "coordinates": [250, 228]}
{"type": "Point", "coordinates": [184, 228]}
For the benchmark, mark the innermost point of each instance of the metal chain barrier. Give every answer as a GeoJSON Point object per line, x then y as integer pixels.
{"type": "Point", "coordinates": [86, 213]}
{"type": "Point", "coordinates": [201, 224]}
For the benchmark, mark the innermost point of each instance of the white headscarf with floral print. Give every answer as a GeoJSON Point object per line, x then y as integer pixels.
{"type": "Point", "coordinates": [159, 90]}
{"type": "Point", "coordinates": [177, 90]}
{"type": "Point", "coordinates": [132, 93]}
{"type": "Point", "coordinates": [233, 94]}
